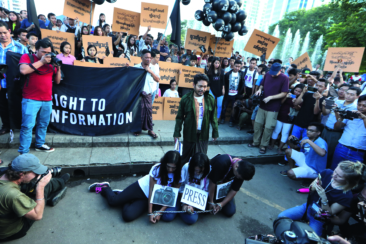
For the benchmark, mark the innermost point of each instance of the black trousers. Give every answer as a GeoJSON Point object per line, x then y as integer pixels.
{"type": "Point", "coordinates": [4, 108]}
{"type": "Point", "coordinates": [53, 186]}
{"type": "Point", "coordinates": [132, 200]}
{"type": "Point", "coordinates": [191, 148]}
{"type": "Point", "coordinates": [227, 99]}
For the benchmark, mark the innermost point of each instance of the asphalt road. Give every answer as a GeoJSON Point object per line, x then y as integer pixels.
{"type": "Point", "coordinates": [84, 217]}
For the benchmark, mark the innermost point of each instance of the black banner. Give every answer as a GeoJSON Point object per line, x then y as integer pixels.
{"type": "Point", "coordinates": [97, 101]}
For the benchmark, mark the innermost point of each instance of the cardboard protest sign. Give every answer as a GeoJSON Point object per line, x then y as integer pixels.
{"type": "Point", "coordinates": [195, 39]}
{"type": "Point", "coordinates": [155, 15]}
{"type": "Point", "coordinates": [169, 71]}
{"type": "Point", "coordinates": [186, 77]}
{"type": "Point", "coordinates": [88, 64]}
{"type": "Point", "coordinates": [126, 21]}
{"type": "Point", "coordinates": [303, 62]}
{"type": "Point", "coordinates": [58, 37]}
{"type": "Point", "coordinates": [101, 42]}
{"type": "Point", "coordinates": [260, 42]}
{"type": "Point", "coordinates": [223, 189]}
{"type": "Point", "coordinates": [164, 195]}
{"type": "Point", "coordinates": [135, 60]}
{"type": "Point", "coordinates": [115, 62]}
{"type": "Point", "coordinates": [171, 106]}
{"type": "Point", "coordinates": [78, 9]}
{"type": "Point", "coordinates": [350, 58]}
{"type": "Point", "coordinates": [194, 197]}
{"type": "Point", "coordinates": [157, 108]}
{"type": "Point", "coordinates": [224, 48]}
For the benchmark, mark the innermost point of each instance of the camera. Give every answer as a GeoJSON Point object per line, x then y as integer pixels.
{"type": "Point", "coordinates": [256, 100]}
{"type": "Point", "coordinates": [346, 114]}
{"type": "Point", "coordinates": [312, 89]}
{"type": "Point", "coordinates": [56, 171]}
{"type": "Point", "coordinates": [288, 231]}
{"type": "Point", "coordinates": [3, 69]}
{"type": "Point", "coordinates": [329, 102]}
{"type": "Point", "coordinates": [323, 216]}
{"type": "Point", "coordinates": [203, 49]}
{"type": "Point", "coordinates": [224, 191]}
{"type": "Point", "coordinates": [55, 61]}
{"type": "Point", "coordinates": [295, 140]}
{"type": "Point", "coordinates": [164, 196]}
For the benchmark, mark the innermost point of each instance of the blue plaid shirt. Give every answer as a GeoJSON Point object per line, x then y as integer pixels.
{"type": "Point", "coordinates": [15, 47]}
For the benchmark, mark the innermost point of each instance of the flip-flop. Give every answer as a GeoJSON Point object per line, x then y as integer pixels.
{"type": "Point", "coordinates": [262, 150]}
{"type": "Point", "coordinates": [154, 136]}
{"type": "Point", "coordinates": [136, 134]}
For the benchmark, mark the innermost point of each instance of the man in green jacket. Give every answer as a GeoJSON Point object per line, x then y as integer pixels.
{"type": "Point", "coordinates": [197, 111]}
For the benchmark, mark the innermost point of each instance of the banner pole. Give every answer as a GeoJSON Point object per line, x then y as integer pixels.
{"type": "Point", "coordinates": [91, 11]}
{"type": "Point", "coordinates": [217, 41]}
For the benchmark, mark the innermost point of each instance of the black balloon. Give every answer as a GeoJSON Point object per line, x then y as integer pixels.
{"type": "Point", "coordinates": [212, 16]}
{"type": "Point", "coordinates": [227, 17]}
{"type": "Point", "coordinates": [207, 8]}
{"type": "Point", "coordinates": [233, 7]}
{"type": "Point", "coordinates": [228, 36]}
{"type": "Point", "coordinates": [224, 5]}
{"type": "Point", "coordinates": [186, 2]}
{"type": "Point", "coordinates": [100, 2]}
{"type": "Point", "coordinates": [219, 25]}
{"type": "Point", "coordinates": [227, 28]}
{"type": "Point", "coordinates": [206, 22]}
{"type": "Point", "coordinates": [233, 19]}
{"type": "Point", "coordinates": [239, 2]}
{"type": "Point", "coordinates": [240, 16]}
{"type": "Point", "coordinates": [198, 15]}
{"type": "Point", "coordinates": [243, 31]}
{"type": "Point", "coordinates": [215, 5]}
{"type": "Point", "coordinates": [236, 27]}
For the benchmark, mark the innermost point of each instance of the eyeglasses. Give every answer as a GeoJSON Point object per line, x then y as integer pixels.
{"type": "Point", "coordinates": [313, 131]}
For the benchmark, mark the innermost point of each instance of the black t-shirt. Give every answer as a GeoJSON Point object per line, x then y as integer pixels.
{"type": "Point", "coordinates": [333, 195]}
{"type": "Point", "coordinates": [220, 166]}
{"type": "Point", "coordinates": [306, 114]}
{"type": "Point", "coordinates": [93, 60]}
{"type": "Point", "coordinates": [216, 84]}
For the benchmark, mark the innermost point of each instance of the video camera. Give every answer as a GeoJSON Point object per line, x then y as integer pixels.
{"type": "Point", "coordinates": [295, 140]}
{"type": "Point", "coordinates": [288, 231]}
{"type": "Point", "coordinates": [312, 89]}
{"type": "Point", "coordinates": [256, 100]}
{"type": "Point", "coordinates": [3, 69]}
{"type": "Point", "coordinates": [56, 171]}
{"type": "Point", "coordinates": [164, 196]}
{"type": "Point", "coordinates": [346, 114]}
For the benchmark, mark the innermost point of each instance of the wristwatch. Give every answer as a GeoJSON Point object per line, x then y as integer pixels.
{"type": "Point", "coordinates": [325, 203]}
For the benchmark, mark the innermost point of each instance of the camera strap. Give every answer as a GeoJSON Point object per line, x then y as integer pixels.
{"type": "Point", "coordinates": [231, 166]}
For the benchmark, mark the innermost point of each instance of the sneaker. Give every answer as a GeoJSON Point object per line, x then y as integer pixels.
{"type": "Point", "coordinates": [65, 177]}
{"type": "Point", "coordinates": [45, 148]}
{"type": "Point", "coordinates": [117, 191]}
{"type": "Point", "coordinates": [97, 186]}
{"type": "Point", "coordinates": [53, 199]}
{"type": "Point", "coordinates": [282, 163]}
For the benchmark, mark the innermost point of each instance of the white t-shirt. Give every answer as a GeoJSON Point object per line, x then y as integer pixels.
{"type": "Point", "coordinates": [233, 83]}
{"type": "Point", "coordinates": [195, 181]}
{"type": "Point", "coordinates": [356, 78]}
{"type": "Point", "coordinates": [201, 111]}
{"type": "Point", "coordinates": [149, 81]}
{"type": "Point", "coordinates": [156, 70]}
{"type": "Point", "coordinates": [144, 182]}
{"type": "Point", "coordinates": [249, 78]}
{"type": "Point", "coordinates": [227, 69]}
{"type": "Point", "coordinates": [170, 93]}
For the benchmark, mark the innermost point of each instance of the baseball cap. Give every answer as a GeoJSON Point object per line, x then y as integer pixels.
{"type": "Point", "coordinates": [28, 162]}
{"type": "Point", "coordinates": [275, 68]}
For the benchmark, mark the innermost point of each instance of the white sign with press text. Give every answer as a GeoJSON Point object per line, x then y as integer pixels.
{"type": "Point", "coordinates": [194, 197]}
{"type": "Point", "coordinates": [164, 195]}
{"type": "Point", "coordinates": [223, 190]}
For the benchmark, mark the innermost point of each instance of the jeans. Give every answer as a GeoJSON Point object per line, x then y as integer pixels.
{"type": "Point", "coordinates": [4, 108]}
{"type": "Point", "coordinates": [296, 214]}
{"type": "Point", "coordinates": [342, 153]}
{"type": "Point", "coordinates": [30, 108]}
{"type": "Point", "coordinates": [168, 217]}
{"type": "Point", "coordinates": [229, 209]}
{"type": "Point", "coordinates": [227, 100]}
{"type": "Point", "coordinates": [255, 111]}
{"type": "Point", "coordinates": [219, 104]}
{"type": "Point", "coordinates": [153, 95]}
{"type": "Point", "coordinates": [299, 132]}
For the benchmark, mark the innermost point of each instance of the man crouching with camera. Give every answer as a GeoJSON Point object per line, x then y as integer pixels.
{"type": "Point", "coordinates": [22, 200]}
{"type": "Point", "coordinates": [40, 70]}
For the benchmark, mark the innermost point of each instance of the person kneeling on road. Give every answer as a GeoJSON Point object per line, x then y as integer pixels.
{"type": "Point", "coordinates": [225, 169]}
{"type": "Point", "coordinates": [312, 159]}
{"type": "Point", "coordinates": [21, 201]}
{"type": "Point", "coordinates": [195, 174]}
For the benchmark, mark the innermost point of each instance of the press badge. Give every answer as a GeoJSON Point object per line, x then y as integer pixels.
{"type": "Point", "coordinates": [315, 207]}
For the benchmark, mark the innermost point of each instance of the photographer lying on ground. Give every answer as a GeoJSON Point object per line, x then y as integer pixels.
{"type": "Point", "coordinates": [331, 193]}
{"type": "Point", "coordinates": [312, 158]}
{"type": "Point", "coordinates": [225, 169]}
{"type": "Point", "coordinates": [352, 144]}
{"type": "Point", "coordinates": [21, 201]}
{"type": "Point", "coordinates": [136, 197]}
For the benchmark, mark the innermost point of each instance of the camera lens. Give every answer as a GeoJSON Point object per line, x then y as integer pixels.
{"type": "Point", "coordinates": [167, 198]}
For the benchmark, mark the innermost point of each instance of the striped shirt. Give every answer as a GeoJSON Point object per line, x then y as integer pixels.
{"type": "Point", "coordinates": [15, 47]}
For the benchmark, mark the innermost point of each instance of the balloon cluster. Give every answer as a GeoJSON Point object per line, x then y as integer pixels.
{"type": "Point", "coordinates": [225, 16]}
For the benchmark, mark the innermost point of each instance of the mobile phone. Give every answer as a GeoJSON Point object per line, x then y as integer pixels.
{"type": "Point", "coordinates": [124, 34]}
{"type": "Point", "coordinates": [303, 76]}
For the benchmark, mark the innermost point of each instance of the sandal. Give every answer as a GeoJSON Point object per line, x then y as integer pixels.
{"type": "Point", "coordinates": [283, 173]}
{"type": "Point", "coordinates": [136, 134]}
{"type": "Point", "coordinates": [4, 131]}
{"type": "Point", "coordinates": [153, 135]}
{"type": "Point", "coordinates": [262, 150]}
{"type": "Point", "coordinates": [252, 145]}
{"type": "Point", "coordinates": [1, 162]}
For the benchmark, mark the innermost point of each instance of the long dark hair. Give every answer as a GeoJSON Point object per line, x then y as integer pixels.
{"type": "Point", "coordinates": [100, 22]}
{"type": "Point", "coordinates": [129, 46]}
{"type": "Point", "coordinates": [96, 31]}
{"type": "Point", "coordinates": [171, 157]}
{"type": "Point", "coordinates": [82, 30]}
{"type": "Point", "coordinates": [199, 160]}
{"type": "Point", "coordinates": [222, 63]}
{"type": "Point", "coordinates": [17, 23]}
{"type": "Point", "coordinates": [211, 70]}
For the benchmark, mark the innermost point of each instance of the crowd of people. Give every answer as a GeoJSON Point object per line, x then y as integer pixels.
{"type": "Point", "coordinates": [317, 120]}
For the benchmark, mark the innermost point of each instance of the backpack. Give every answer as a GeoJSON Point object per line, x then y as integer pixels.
{"type": "Point", "coordinates": [70, 29]}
